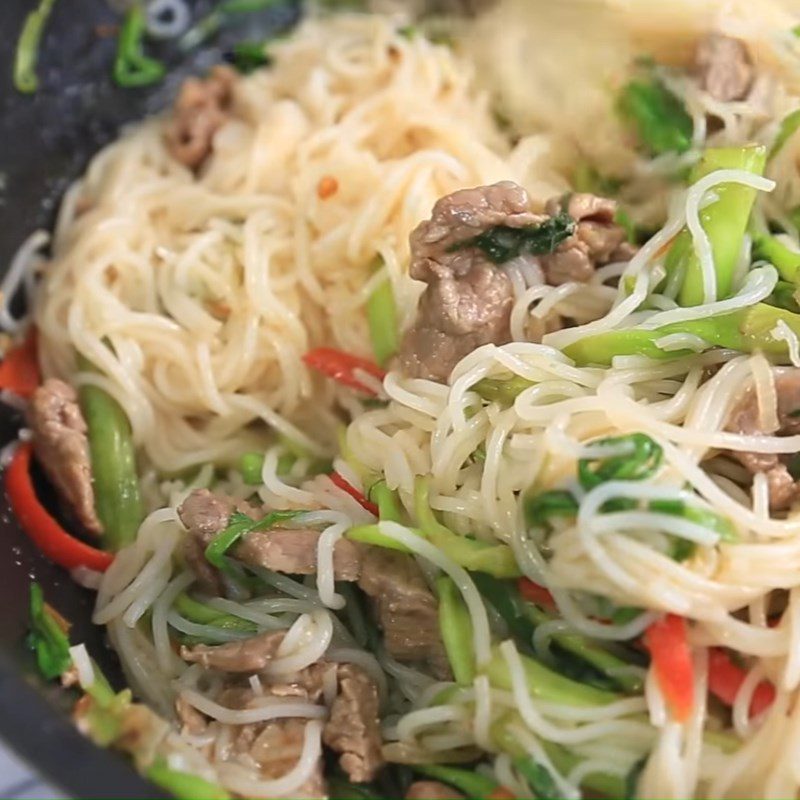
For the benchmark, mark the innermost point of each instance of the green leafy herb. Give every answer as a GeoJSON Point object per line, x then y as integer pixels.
{"type": "Point", "coordinates": [132, 68]}
{"type": "Point", "coordinates": [788, 128]}
{"type": "Point", "coordinates": [538, 777]}
{"type": "Point", "coordinates": [27, 53]}
{"type": "Point", "coordinates": [502, 243]}
{"type": "Point", "coordinates": [238, 525]}
{"type": "Point", "coordinates": [541, 508]}
{"type": "Point", "coordinates": [47, 638]}
{"type": "Point", "coordinates": [658, 117]}
{"type": "Point", "coordinates": [248, 56]}
{"type": "Point", "coordinates": [642, 458]}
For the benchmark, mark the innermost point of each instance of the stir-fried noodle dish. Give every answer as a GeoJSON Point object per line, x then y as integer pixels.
{"type": "Point", "coordinates": [422, 396]}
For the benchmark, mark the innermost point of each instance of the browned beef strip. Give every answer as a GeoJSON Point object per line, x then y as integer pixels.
{"type": "Point", "coordinates": [724, 67]}
{"type": "Point", "coordinates": [295, 553]}
{"type": "Point", "coordinates": [597, 239]}
{"type": "Point", "coordinates": [247, 655]}
{"type": "Point", "coordinates": [406, 608]}
{"type": "Point", "coordinates": [784, 490]}
{"type": "Point", "coordinates": [62, 448]}
{"type": "Point", "coordinates": [353, 728]}
{"type": "Point", "coordinates": [201, 109]}
{"type": "Point", "coordinates": [432, 790]}
{"type": "Point", "coordinates": [468, 299]}
{"type": "Point", "coordinates": [204, 515]}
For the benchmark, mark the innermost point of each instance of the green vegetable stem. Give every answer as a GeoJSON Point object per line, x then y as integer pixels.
{"type": "Point", "coordinates": [27, 53]}
{"type": "Point", "coordinates": [132, 68]}
{"type": "Point", "coordinates": [455, 625]}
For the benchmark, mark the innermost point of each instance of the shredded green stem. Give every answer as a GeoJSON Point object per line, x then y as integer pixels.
{"type": "Point", "coordinates": [132, 68]}
{"type": "Point", "coordinates": [27, 54]}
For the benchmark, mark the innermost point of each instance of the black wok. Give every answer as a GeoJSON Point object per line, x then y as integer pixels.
{"type": "Point", "coordinates": [46, 139]}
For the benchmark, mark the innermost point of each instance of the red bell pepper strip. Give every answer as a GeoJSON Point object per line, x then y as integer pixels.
{"type": "Point", "coordinates": [667, 641]}
{"type": "Point", "coordinates": [342, 366]}
{"type": "Point", "coordinates": [339, 481]}
{"type": "Point", "coordinates": [19, 370]}
{"type": "Point", "coordinates": [534, 593]}
{"type": "Point", "coordinates": [54, 542]}
{"type": "Point", "coordinates": [725, 678]}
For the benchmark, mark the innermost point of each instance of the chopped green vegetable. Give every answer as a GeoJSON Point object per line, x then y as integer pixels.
{"type": "Point", "coordinates": [546, 684]}
{"type": "Point", "coordinates": [117, 499]}
{"type": "Point", "coordinates": [541, 508]}
{"type": "Point", "coordinates": [248, 56]}
{"type": "Point", "coordinates": [238, 525]}
{"type": "Point", "coordinates": [784, 295]}
{"type": "Point", "coordinates": [724, 221]}
{"type": "Point", "coordinates": [184, 785]}
{"type": "Point", "coordinates": [27, 53]}
{"type": "Point", "coordinates": [202, 614]}
{"type": "Point", "coordinates": [538, 777]}
{"type": "Point", "coordinates": [251, 466]}
{"type": "Point", "coordinates": [408, 31]}
{"type": "Point", "coordinates": [384, 327]}
{"type": "Point", "coordinates": [46, 638]}
{"type": "Point", "coordinates": [388, 503]}
{"type": "Point", "coordinates": [132, 68]}
{"type": "Point", "coordinates": [474, 785]}
{"type": "Point", "coordinates": [658, 117]}
{"type": "Point", "coordinates": [785, 260]}
{"type": "Point", "coordinates": [703, 517]}
{"type": "Point", "coordinates": [632, 779]}
{"type": "Point", "coordinates": [623, 219]}
{"type": "Point", "coordinates": [504, 391]}
{"type": "Point", "coordinates": [455, 625]}
{"type": "Point", "coordinates": [641, 460]}
{"type": "Point", "coordinates": [586, 178]}
{"type": "Point", "coordinates": [472, 554]}
{"type": "Point", "coordinates": [502, 243]}
{"type": "Point", "coordinates": [788, 128]}
{"type": "Point", "coordinates": [340, 788]}
{"type": "Point", "coordinates": [371, 534]}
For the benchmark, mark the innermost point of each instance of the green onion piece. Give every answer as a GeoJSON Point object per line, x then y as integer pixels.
{"type": "Point", "coordinates": [502, 243]}
{"type": "Point", "coordinates": [586, 178]}
{"type": "Point", "coordinates": [474, 785]}
{"type": "Point", "coordinates": [132, 68]}
{"type": "Point", "coordinates": [472, 554]}
{"type": "Point", "coordinates": [623, 219]}
{"type": "Point", "coordinates": [183, 785]}
{"type": "Point", "coordinates": [724, 221]}
{"type": "Point", "coordinates": [247, 57]}
{"type": "Point", "coordinates": [546, 684]}
{"type": "Point", "coordinates": [632, 779]}
{"type": "Point", "coordinates": [703, 517]}
{"type": "Point", "coordinates": [541, 508]}
{"type": "Point", "coordinates": [27, 53]}
{"type": "Point", "coordinates": [371, 534]}
{"type": "Point", "coordinates": [538, 777]}
{"type": "Point", "coordinates": [46, 637]}
{"type": "Point", "coordinates": [251, 466]}
{"type": "Point", "coordinates": [238, 525]}
{"type": "Point", "coordinates": [384, 328]}
{"type": "Point", "coordinates": [502, 391]}
{"type": "Point", "coordinates": [389, 508]}
{"type": "Point", "coordinates": [642, 459]}
{"type": "Point", "coordinates": [788, 128]}
{"type": "Point", "coordinates": [784, 296]}
{"type": "Point", "coordinates": [117, 498]}
{"type": "Point", "coordinates": [200, 613]}
{"type": "Point", "coordinates": [658, 117]}
{"type": "Point", "coordinates": [455, 625]}
{"type": "Point", "coordinates": [785, 260]}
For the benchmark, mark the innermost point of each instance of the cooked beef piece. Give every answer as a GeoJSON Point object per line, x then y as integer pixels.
{"type": "Point", "coordinates": [724, 67]}
{"type": "Point", "coordinates": [468, 299]}
{"type": "Point", "coordinates": [783, 488]}
{"type": "Point", "coordinates": [597, 240]}
{"type": "Point", "coordinates": [192, 721]}
{"type": "Point", "coordinates": [247, 655]}
{"type": "Point", "coordinates": [353, 728]}
{"type": "Point", "coordinates": [295, 553]}
{"type": "Point", "coordinates": [308, 683]}
{"type": "Point", "coordinates": [406, 608]}
{"type": "Point", "coordinates": [62, 448]}
{"type": "Point", "coordinates": [202, 108]}
{"type": "Point", "coordinates": [204, 515]}
{"type": "Point", "coordinates": [432, 790]}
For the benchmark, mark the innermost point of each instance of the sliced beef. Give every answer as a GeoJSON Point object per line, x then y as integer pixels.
{"type": "Point", "coordinates": [406, 608]}
{"type": "Point", "coordinates": [192, 721]}
{"type": "Point", "coordinates": [247, 655]}
{"type": "Point", "coordinates": [432, 790]}
{"type": "Point", "coordinates": [295, 553]}
{"type": "Point", "coordinates": [204, 515]}
{"type": "Point", "coordinates": [353, 728]}
{"type": "Point", "coordinates": [724, 67]}
{"type": "Point", "coordinates": [62, 448]}
{"type": "Point", "coordinates": [597, 239]}
{"type": "Point", "coordinates": [468, 299]}
{"type": "Point", "coordinates": [201, 109]}
{"type": "Point", "coordinates": [745, 418]}
{"type": "Point", "coordinates": [308, 683]}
